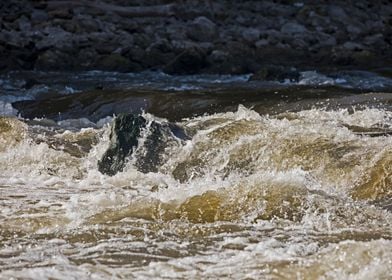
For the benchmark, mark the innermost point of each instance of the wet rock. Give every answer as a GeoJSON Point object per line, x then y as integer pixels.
{"type": "Point", "coordinates": [124, 136]}
{"type": "Point", "coordinates": [124, 141]}
{"type": "Point", "coordinates": [202, 30]}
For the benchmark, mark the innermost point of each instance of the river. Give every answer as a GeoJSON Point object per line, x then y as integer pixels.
{"type": "Point", "coordinates": [276, 180]}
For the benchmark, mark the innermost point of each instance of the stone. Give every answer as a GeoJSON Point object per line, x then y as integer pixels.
{"type": "Point", "coordinates": [293, 28]}
{"type": "Point", "coordinates": [190, 61]}
{"type": "Point", "coordinates": [56, 37]}
{"type": "Point", "coordinates": [202, 30]}
{"type": "Point", "coordinates": [38, 16]}
{"type": "Point", "coordinates": [251, 35]}
{"type": "Point", "coordinates": [364, 57]}
{"type": "Point", "coordinates": [126, 129]}
{"type": "Point", "coordinates": [353, 29]}
{"type": "Point", "coordinates": [61, 13]}
{"type": "Point", "coordinates": [352, 46]}
{"type": "Point", "coordinates": [337, 13]}
{"type": "Point", "coordinates": [374, 39]}
{"type": "Point", "coordinates": [261, 43]}
{"type": "Point", "coordinates": [159, 53]}
{"type": "Point", "coordinates": [24, 24]}
{"type": "Point", "coordinates": [51, 59]}
{"type": "Point", "coordinates": [124, 141]}
{"type": "Point", "coordinates": [218, 56]}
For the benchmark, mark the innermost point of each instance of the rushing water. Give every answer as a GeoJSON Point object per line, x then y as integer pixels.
{"type": "Point", "coordinates": [303, 192]}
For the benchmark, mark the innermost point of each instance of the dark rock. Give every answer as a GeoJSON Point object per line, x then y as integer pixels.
{"type": "Point", "coordinates": [251, 35]}
{"type": "Point", "coordinates": [55, 37]}
{"type": "Point", "coordinates": [218, 56]}
{"type": "Point", "coordinates": [190, 61]}
{"type": "Point", "coordinates": [261, 43]}
{"type": "Point", "coordinates": [13, 39]}
{"type": "Point", "coordinates": [352, 46]}
{"type": "Point", "coordinates": [124, 136]}
{"type": "Point", "coordinates": [159, 53]}
{"type": "Point", "coordinates": [337, 13]}
{"type": "Point", "coordinates": [88, 24]}
{"type": "Point", "coordinates": [376, 39]}
{"type": "Point", "coordinates": [124, 140]}
{"type": "Point", "coordinates": [115, 62]}
{"type": "Point", "coordinates": [51, 59]}
{"type": "Point", "coordinates": [364, 57]}
{"type": "Point", "coordinates": [38, 16]}
{"type": "Point", "coordinates": [293, 28]}
{"type": "Point", "coordinates": [86, 59]}
{"type": "Point", "coordinates": [331, 33]}
{"type": "Point", "coordinates": [202, 30]}
{"type": "Point", "coordinates": [24, 24]}
{"type": "Point", "coordinates": [61, 13]}
{"type": "Point", "coordinates": [386, 72]}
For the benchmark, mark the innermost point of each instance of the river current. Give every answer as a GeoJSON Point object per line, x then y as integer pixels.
{"type": "Point", "coordinates": [293, 181]}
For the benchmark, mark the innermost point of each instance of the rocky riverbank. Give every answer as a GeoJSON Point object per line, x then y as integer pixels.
{"type": "Point", "coordinates": [195, 36]}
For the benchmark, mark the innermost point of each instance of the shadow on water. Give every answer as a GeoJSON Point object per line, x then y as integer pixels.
{"type": "Point", "coordinates": [175, 105]}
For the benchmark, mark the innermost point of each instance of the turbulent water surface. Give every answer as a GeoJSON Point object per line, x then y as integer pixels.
{"type": "Point", "coordinates": [288, 187]}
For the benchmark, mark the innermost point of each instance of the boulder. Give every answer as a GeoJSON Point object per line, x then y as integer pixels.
{"type": "Point", "coordinates": [190, 61]}
{"type": "Point", "coordinates": [202, 30]}
{"type": "Point", "coordinates": [293, 28]}
{"type": "Point", "coordinates": [251, 35]}
{"type": "Point", "coordinates": [159, 53]}
{"type": "Point", "coordinates": [124, 143]}
{"type": "Point", "coordinates": [55, 37]}
{"type": "Point", "coordinates": [218, 56]}
{"type": "Point", "coordinates": [38, 16]}
{"type": "Point", "coordinates": [51, 59]}
{"type": "Point", "coordinates": [124, 136]}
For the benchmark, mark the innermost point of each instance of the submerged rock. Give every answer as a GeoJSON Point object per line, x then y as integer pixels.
{"type": "Point", "coordinates": [127, 130]}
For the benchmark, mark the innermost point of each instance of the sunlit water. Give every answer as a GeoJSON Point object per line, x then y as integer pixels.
{"type": "Point", "coordinates": [295, 195]}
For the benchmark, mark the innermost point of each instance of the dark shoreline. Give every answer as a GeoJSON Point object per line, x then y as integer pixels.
{"type": "Point", "coordinates": [191, 37]}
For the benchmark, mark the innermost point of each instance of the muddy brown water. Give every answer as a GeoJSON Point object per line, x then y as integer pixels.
{"type": "Point", "coordinates": [293, 184]}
